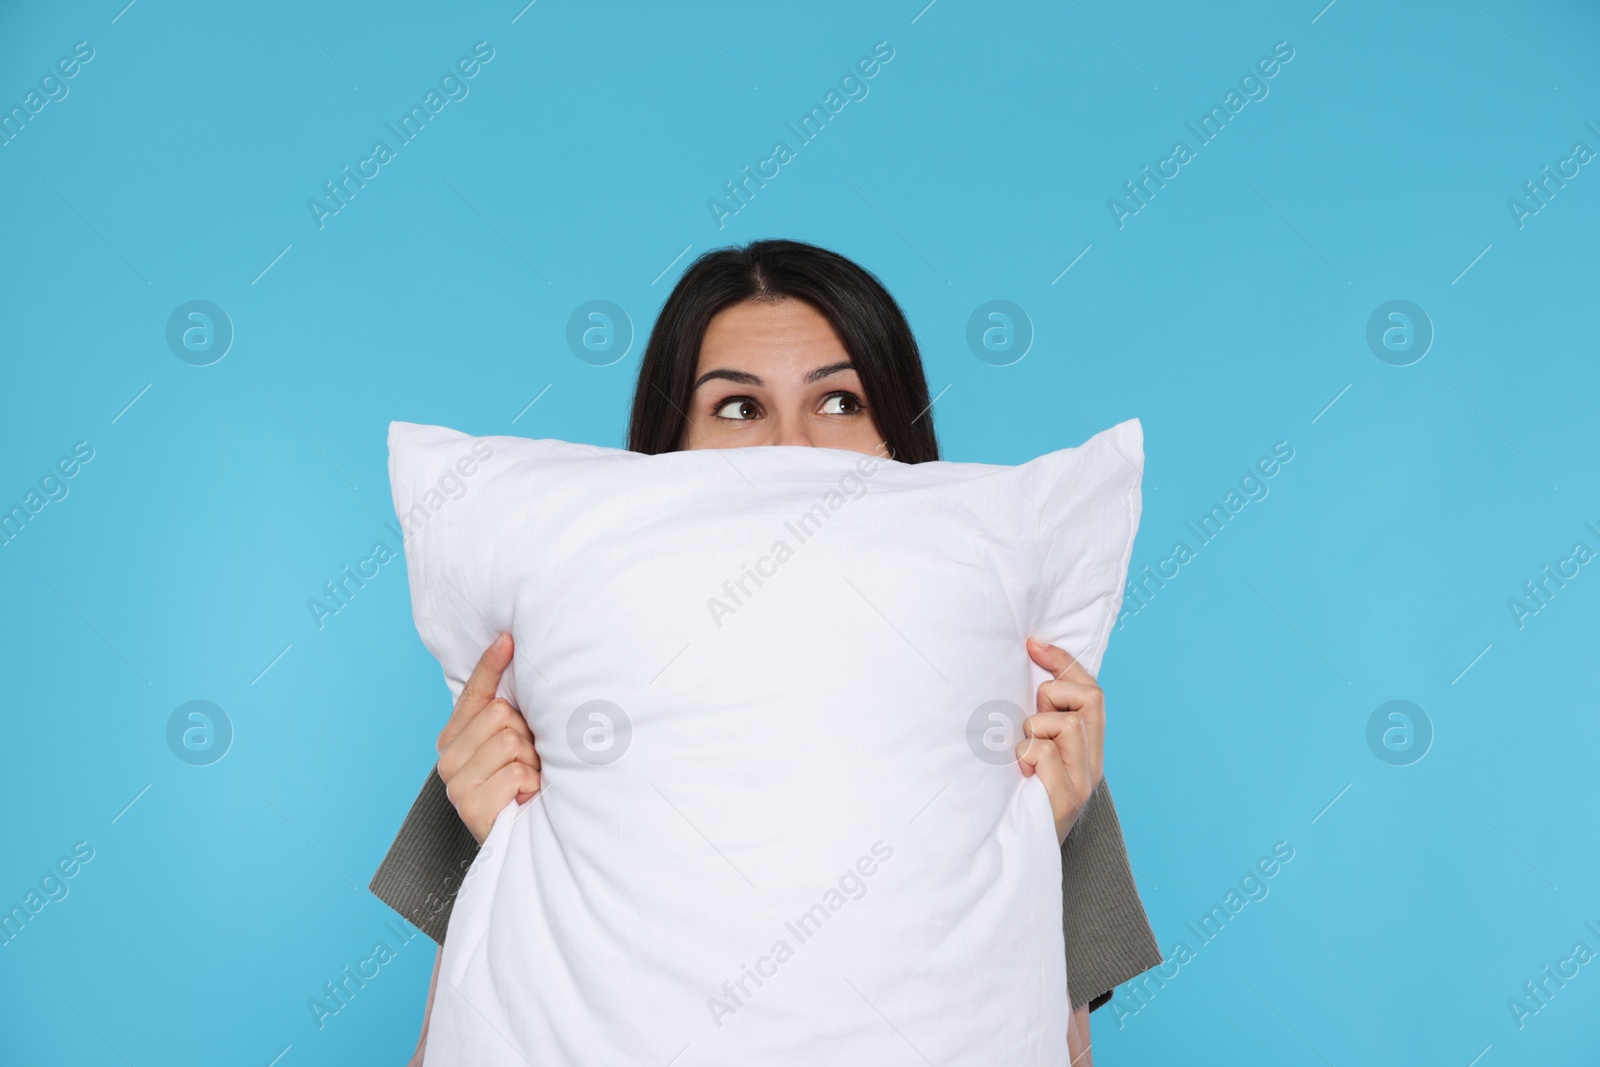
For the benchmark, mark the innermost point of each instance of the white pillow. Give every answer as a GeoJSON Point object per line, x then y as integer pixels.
{"type": "Point", "coordinates": [776, 693]}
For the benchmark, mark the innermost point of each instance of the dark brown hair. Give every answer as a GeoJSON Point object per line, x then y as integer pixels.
{"type": "Point", "coordinates": [866, 318]}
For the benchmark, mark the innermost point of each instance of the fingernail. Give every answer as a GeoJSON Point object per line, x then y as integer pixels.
{"type": "Point", "coordinates": [501, 641]}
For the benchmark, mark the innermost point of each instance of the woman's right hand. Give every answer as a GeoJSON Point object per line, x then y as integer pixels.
{"type": "Point", "coordinates": [486, 753]}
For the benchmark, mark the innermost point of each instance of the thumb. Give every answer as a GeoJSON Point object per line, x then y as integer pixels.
{"type": "Point", "coordinates": [1051, 658]}
{"type": "Point", "coordinates": [1059, 662]}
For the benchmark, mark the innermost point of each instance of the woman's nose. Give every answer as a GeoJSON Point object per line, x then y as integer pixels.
{"type": "Point", "coordinates": [793, 431]}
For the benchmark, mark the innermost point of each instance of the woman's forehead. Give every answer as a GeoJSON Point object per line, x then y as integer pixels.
{"type": "Point", "coordinates": [785, 336]}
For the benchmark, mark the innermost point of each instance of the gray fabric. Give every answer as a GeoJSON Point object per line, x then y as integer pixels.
{"type": "Point", "coordinates": [1108, 936]}
{"type": "Point", "coordinates": [424, 866]}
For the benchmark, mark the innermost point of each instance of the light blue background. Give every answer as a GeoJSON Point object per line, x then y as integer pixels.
{"type": "Point", "coordinates": [1226, 315]}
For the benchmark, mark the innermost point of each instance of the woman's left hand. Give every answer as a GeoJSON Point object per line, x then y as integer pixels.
{"type": "Point", "coordinates": [1065, 742]}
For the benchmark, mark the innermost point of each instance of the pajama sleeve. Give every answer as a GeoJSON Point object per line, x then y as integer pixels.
{"type": "Point", "coordinates": [422, 871]}
{"type": "Point", "coordinates": [1108, 936]}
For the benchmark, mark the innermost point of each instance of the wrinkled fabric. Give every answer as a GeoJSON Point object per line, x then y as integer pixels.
{"type": "Point", "coordinates": [775, 693]}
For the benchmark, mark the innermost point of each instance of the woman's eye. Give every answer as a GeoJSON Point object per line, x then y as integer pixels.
{"type": "Point", "coordinates": [841, 404]}
{"type": "Point", "coordinates": [739, 407]}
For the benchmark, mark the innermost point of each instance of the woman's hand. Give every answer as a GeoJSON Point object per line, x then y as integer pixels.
{"type": "Point", "coordinates": [486, 753]}
{"type": "Point", "coordinates": [1065, 744]}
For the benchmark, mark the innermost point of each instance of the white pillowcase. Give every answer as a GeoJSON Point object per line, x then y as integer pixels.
{"type": "Point", "coordinates": [776, 693]}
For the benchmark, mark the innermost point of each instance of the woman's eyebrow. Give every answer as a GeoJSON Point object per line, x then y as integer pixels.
{"type": "Point", "coordinates": [740, 376]}
{"type": "Point", "coordinates": [832, 368]}
{"type": "Point", "coordinates": [746, 378]}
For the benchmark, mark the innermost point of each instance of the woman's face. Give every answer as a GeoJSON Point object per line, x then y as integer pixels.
{"type": "Point", "coordinates": [776, 374]}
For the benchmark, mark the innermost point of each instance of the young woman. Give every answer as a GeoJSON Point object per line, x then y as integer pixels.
{"type": "Point", "coordinates": [783, 343]}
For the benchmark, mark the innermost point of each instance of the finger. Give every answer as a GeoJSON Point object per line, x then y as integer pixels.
{"type": "Point", "coordinates": [497, 715]}
{"type": "Point", "coordinates": [1086, 700]}
{"type": "Point", "coordinates": [1046, 763]}
{"type": "Point", "coordinates": [479, 806]}
{"type": "Point", "coordinates": [1028, 752]}
{"type": "Point", "coordinates": [1051, 725]}
{"type": "Point", "coordinates": [514, 779]}
{"type": "Point", "coordinates": [1068, 734]}
{"type": "Point", "coordinates": [480, 688]}
{"type": "Point", "coordinates": [1058, 661]}
{"type": "Point", "coordinates": [1068, 696]}
{"type": "Point", "coordinates": [1072, 745]}
{"type": "Point", "coordinates": [498, 751]}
